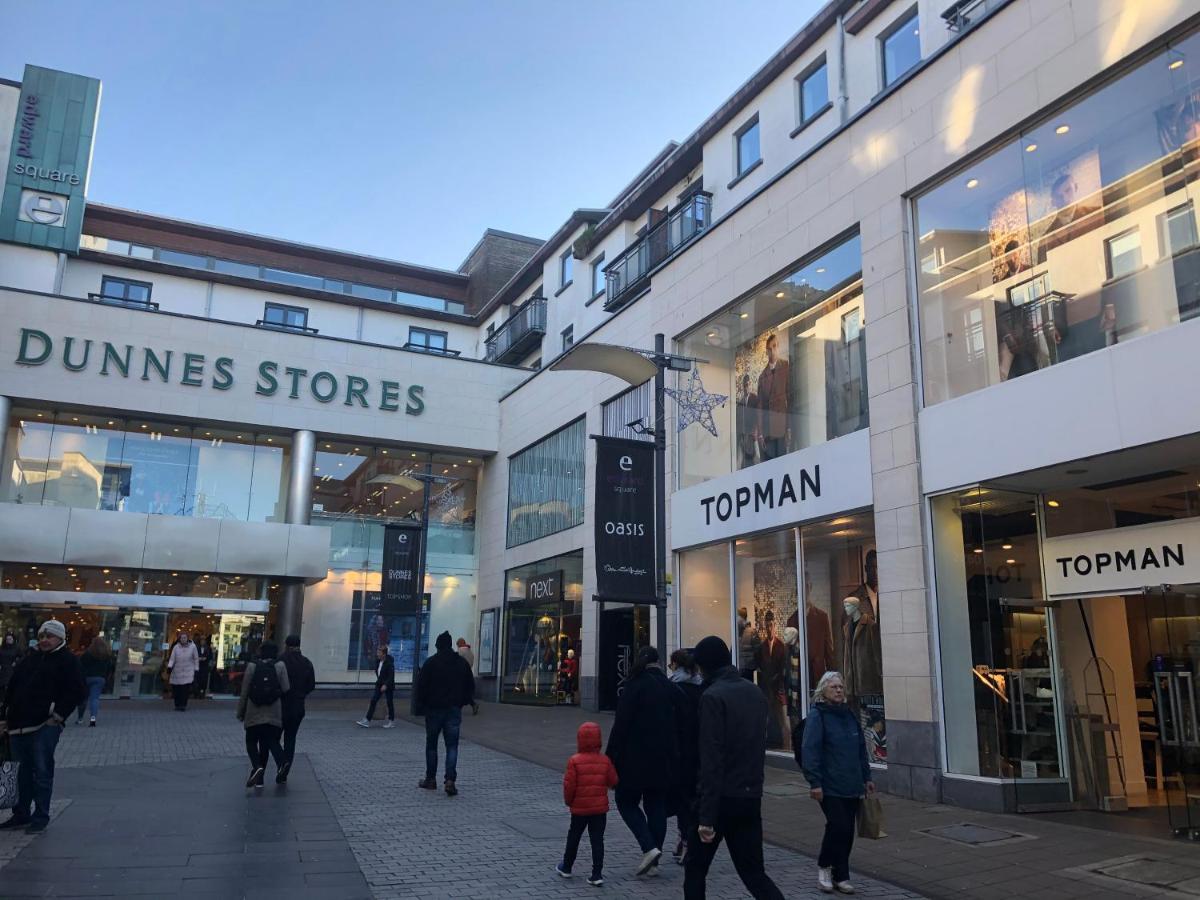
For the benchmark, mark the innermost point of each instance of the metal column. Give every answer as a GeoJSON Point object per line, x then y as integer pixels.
{"type": "Point", "coordinates": [298, 512]}
{"type": "Point", "coordinates": [660, 492]}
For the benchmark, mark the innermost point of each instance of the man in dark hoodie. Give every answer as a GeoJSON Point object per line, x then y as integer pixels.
{"type": "Point", "coordinates": [46, 685]}
{"type": "Point", "coordinates": [444, 686]}
{"type": "Point", "coordinates": [733, 745]}
{"type": "Point", "coordinates": [301, 682]}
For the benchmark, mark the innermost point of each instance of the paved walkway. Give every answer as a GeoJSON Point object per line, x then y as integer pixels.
{"type": "Point", "coordinates": [152, 803]}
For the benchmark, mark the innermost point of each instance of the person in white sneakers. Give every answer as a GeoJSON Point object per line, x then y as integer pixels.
{"type": "Point", "coordinates": [834, 758]}
{"type": "Point", "coordinates": [385, 686]}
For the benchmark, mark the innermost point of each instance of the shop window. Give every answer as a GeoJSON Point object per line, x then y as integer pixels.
{"type": "Point", "coordinates": [792, 359]}
{"type": "Point", "coordinates": [1058, 208]}
{"type": "Point", "coordinates": [545, 486]}
{"type": "Point", "coordinates": [542, 650]}
{"type": "Point", "coordinates": [705, 595]}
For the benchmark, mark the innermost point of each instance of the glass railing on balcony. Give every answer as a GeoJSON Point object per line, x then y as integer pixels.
{"type": "Point", "coordinates": [520, 333]}
{"type": "Point", "coordinates": [627, 275]}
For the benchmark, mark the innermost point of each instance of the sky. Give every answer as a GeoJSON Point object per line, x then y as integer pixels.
{"type": "Point", "coordinates": [396, 129]}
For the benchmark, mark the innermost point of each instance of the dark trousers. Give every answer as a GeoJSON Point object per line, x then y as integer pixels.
{"type": "Point", "coordinates": [291, 724]}
{"type": "Point", "coordinates": [261, 740]}
{"type": "Point", "coordinates": [739, 824]}
{"type": "Point", "coordinates": [388, 691]}
{"type": "Point", "coordinates": [681, 803]}
{"type": "Point", "coordinates": [840, 814]}
{"type": "Point", "coordinates": [773, 448]}
{"type": "Point", "coordinates": [644, 814]}
{"type": "Point", "coordinates": [34, 755]}
{"type": "Point", "coordinates": [445, 723]}
{"type": "Point", "coordinates": [181, 692]}
{"type": "Point", "coordinates": [595, 829]}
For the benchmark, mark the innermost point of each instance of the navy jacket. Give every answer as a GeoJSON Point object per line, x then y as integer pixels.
{"type": "Point", "coordinates": [835, 753]}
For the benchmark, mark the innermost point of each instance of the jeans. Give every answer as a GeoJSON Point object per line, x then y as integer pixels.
{"type": "Point", "coordinates": [181, 692]}
{"type": "Point", "coordinates": [261, 740]}
{"type": "Point", "coordinates": [840, 813]}
{"type": "Point", "coordinates": [595, 829]}
{"type": "Point", "coordinates": [375, 699]}
{"type": "Point", "coordinates": [34, 754]}
{"type": "Point", "coordinates": [649, 828]}
{"type": "Point", "coordinates": [291, 724]}
{"type": "Point", "coordinates": [739, 823]}
{"type": "Point", "coordinates": [95, 684]}
{"type": "Point", "coordinates": [444, 722]}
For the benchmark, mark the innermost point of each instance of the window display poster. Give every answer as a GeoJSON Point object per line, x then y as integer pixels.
{"type": "Point", "coordinates": [486, 656]}
{"type": "Point", "coordinates": [763, 382]}
{"type": "Point", "coordinates": [371, 627]}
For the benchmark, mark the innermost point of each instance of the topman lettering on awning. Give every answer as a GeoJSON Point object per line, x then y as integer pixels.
{"type": "Point", "coordinates": [1122, 560]}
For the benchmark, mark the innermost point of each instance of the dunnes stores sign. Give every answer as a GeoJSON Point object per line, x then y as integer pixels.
{"type": "Point", "coordinates": [271, 378]}
{"type": "Point", "coordinates": [1123, 560]}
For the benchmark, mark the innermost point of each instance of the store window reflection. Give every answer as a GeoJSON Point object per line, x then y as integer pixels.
{"type": "Point", "coordinates": [791, 357]}
{"type": "Point", "coordinates": [1076, 236]}
{"type": "Point", "coordinates": [540, 636]}
{"type": "Point", "coordinates": [705, 594]}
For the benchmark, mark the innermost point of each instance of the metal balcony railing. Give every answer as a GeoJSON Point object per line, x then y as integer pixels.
{"type": "Point", "coordinates": [628, 274]}
{"type": "Point", "coordinates": [962, 14]}
{"type": "Point", "coordinates": [122, 301]}
{"type": "Point", "coordinates": [520, 333]}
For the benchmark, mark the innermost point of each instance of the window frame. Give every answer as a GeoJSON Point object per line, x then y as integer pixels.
{"type": "Point", "coordinates": [1108, 256]}
{"type": "Point", "coordinates": [568, 337]}
{"type": "Point", "coordinates": [284, 307]}
{"type": "Point", "coordinates": [821, 62]}
{"type": "Point", "coordinates": [427, 333]}
{"type": "Point", "coordinates": [740, 171]}
{"type": "Point", "coordinates": [598, 269]}
{"type": "Point", "coordinates": [566, 269]}
{"type": "Point", "coordinates": [1162, 226]}
{"type": "Point", "coordinates": [910, 15]}
{"type": "Point", "coordinates": [126, 283]}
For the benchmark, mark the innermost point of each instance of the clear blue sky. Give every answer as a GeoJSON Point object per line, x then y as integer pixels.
{"type": "Point", "coordinates": [395, 129]}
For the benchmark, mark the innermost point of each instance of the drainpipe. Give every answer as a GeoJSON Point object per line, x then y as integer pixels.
{"type": "Point", "coordinates": [843, 97]}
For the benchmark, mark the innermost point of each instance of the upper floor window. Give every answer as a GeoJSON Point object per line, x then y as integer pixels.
{"type": "Point", "coordinates": [1034, 249]}
{"type": "Point", "coordinates": [427, 339]}
{"type": "Point", "coordinates": [814, 91]}
{"type": "Point", "coordinates": [282, 316]}
{"type": "Point", "coordinates": [125, 289]}
{"type": "Point", "coordinates": [746, 146]}
{"type": "Point", "coordinates": [598, 275]}
{"type": "Point", "coordinates": [566, 264]}
{"type": "Point", "coordinates": [900, 47]}
{"type": "Point", "coordinates": [546, 485]}
{"type": "Point", "coordinates": [568, 338]}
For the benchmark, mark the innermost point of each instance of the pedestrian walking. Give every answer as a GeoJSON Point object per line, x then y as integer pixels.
{"type": "Point", "coordinates": [46, 684]}
{"type": "Point", "coordinates": [260, 709]}
{"type": "Point", "coordinates": [184, 664]}
{"type": "Point", "coordinates": [834, 755]}
{"type": "Point", "coordinates": [10, 652]}
{"type": "Point", "coordinates": [686, 678]}
{"type": "Point", "coordinates": [301, 682]}
{"type": "Point", "coordinates": [589, 777]}
{"type": "Point", "coordinates": [732, 750]}
{"type": "Point", "coordinates": [96, 663]}
{"type": "Point", "coordinates": [385, 686]}
{"type": "Point", "coordinates": [205, 652]}
{"type": "Point", "coordinates": [644, 746]}
{"type": "Point", "coordinates": [444, 686]}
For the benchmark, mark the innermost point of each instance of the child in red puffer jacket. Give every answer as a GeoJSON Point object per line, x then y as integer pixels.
{"type": "Point", "coordinates": [590, 775]}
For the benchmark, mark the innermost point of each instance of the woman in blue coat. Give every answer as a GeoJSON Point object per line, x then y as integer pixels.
{"type": "Point", "coordinates": [835, 763]}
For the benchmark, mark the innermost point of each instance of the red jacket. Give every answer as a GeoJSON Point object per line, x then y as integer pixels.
{"type": "Point", "coordinates": [589, 775]}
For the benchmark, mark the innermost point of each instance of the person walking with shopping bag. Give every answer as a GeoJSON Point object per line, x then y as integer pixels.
{"type": "Point", "coordinates": [834, 759]}
{"type": "Point", "coordinates": [184, 664]}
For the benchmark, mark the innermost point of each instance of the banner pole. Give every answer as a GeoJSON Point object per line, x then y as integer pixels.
{"type": "Point", "coordinates": [660, 490]}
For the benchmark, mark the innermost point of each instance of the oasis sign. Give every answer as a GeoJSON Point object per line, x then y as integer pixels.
{"type": "Point", "coordinates": [271, 378]}
{"type": "Point", "coordinates": [1123, 560]}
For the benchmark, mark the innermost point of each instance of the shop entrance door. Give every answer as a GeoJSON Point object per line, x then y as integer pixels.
{"type": "Point", "coordinates": [1172, 621]}
{"type": "Point", "coordinates": [623, 632]}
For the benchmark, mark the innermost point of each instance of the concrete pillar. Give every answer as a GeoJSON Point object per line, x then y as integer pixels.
{"type": "Point", "coordinates": [298, 512]}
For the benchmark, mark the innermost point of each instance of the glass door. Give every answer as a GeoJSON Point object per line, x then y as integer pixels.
{"type": "Point", "coordinates": [1172, 615]}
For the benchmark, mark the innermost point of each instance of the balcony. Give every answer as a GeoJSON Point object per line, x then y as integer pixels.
{"type": "Point", "coordinates": [122, 301]}
{"type": "Point", "coordinates": [520, 334]}
{"type": "Point", "coordinates": [628, 276]}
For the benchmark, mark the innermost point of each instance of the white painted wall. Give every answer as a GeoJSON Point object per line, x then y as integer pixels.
{"type": "Point", "coordinates": [173, 294]}
{"type": "Point", "coordinates": [27, 268]}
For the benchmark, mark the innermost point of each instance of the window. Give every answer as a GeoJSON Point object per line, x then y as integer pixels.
{"type": "Point", "coordinates": [1177, 230]}
{"type": "Point", "coordinates": [900, 48]}
{"type": "Point", "coordinates": [566, 264]}
{"type": "Point", "coordinates": [491, 330]}
{"type": "Point", "coordinates": [426, 339]}
{"type": "Point", "coordinates": [546, 485]}
{"type": "Point", "coordinates": [285, 316]}
{"type": "Point", "coordinates": [746, 142]}
{"type": "Point", "coordinates": [814, 91]}
{"type": "Point", "coordinates": [125, 289]}
{"type": "Point", "coordinates": [598, 275]}
{"type": "Point", "coordinates": [568, 338]}
{"type": "Point", "coordinates": [1123, 253]}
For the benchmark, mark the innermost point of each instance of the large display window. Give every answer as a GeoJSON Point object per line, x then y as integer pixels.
{"type": "Point", "coordinates": [1076, 235]}
{"type": "Point", "coordinates": [791, 357]}
{"type": "Point", "coordinates": [542, 650]}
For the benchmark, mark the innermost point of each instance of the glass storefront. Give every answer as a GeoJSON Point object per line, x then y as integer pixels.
{"type": "Point", "coordinates": [1076, 235]}
{"type": "Point", "coordinates": [545, 485]}
{"type": "Point", "coordinates": [539, 635]}
{"type": "Point", "coordinates": [828, 569]}
{"type": "Point", "coordinates": [792, 359]}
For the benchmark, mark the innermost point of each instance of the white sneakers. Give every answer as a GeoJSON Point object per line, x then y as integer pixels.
{"type": "Point", "coordinates": [363, 723]}
{"type": "Point", "coordinates": [825, 878]}
{"type": "Point", "coordinates": [844, 887]}
{"type": "Point", "coordinates": [649, 861]}
{"type": "Point", "coordinates": [388, 723]}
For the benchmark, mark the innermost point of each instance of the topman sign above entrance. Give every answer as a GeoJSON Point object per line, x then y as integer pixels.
{"type": "Point", "coordinates": [1122, 560]}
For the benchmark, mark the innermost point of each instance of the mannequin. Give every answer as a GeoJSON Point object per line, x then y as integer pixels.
{"type": "Point", "coordinates": [862, 665]}
{"type": "Point", "coordinates": [772, 679]}
{"type": "Point", "coordinates": [568, 669]}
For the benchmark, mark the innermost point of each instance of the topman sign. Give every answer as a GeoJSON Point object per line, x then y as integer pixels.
{"type": "Point", "coordinates": [1123, 560]}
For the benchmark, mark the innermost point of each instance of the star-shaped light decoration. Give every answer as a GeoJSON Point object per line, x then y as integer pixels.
{"type": "Point", "coordinates": [696, 404]}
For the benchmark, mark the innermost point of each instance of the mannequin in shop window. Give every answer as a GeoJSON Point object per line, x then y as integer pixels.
{"type": "Point", "coordinates": [822, 655]}
{"type": "Point", "coordinates": [568, 671]}
{"type": "Point", "coordinates": [747, 424]}
{"type": "Point", "coordinates": [771, 661]}
{"type": "Point", "coordinates": [861, 647]}
{"type": "Point", "coordinates": [775, 403]}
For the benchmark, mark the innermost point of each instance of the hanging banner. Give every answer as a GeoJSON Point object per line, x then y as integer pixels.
{"type": "Point", "coordinates": [401, 566]}
{"type": "Point", "coordinates": [625, 521]}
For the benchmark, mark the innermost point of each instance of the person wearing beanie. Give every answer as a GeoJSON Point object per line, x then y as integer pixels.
{"type": "Point", "coordinates": [302, 680]}
{"type": "Point", "coordinates": [733, 747]}
{"type": "Point", "coordinates": [46, 685]}
{"type": "Point", "coordinates": [444, 686]}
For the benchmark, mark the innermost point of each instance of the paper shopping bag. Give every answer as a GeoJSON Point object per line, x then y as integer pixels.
{"type": "Point", "coordinates": [870, 819]}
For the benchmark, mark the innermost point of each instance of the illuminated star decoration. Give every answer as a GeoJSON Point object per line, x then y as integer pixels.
{"type": "Point", "coordinates": [696, 404]}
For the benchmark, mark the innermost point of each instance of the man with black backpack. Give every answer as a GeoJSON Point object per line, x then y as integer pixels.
{"type": "Point", "coordinates": [261, 710]}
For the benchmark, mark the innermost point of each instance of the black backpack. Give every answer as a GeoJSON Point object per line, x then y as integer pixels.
{"type": "Point", "coordinates": [264, 686]}
{"type": "Point", "coordinates": [798, 741]}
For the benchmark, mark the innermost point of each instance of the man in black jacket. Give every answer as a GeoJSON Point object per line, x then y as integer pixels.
{"type": "Point", "coordinates": [45, 686]}
{"type": "Point", "coordinates": [444, 686]}
{"type": "Point", "coordinates": [301, 681]}
{"type": "Point", "coordinates": [385, 686]}
{"type": "Point", "coordinates": [733, 746]}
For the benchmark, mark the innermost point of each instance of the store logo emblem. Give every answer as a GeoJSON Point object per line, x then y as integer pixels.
{"type": "Point", "coordinates": [41, 208]}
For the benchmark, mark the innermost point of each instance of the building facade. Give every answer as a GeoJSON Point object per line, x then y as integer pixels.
{"type": "Point", "coordinates": [982, 502]}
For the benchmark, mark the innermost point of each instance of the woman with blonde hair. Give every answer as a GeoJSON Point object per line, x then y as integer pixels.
{"type": "Point", "coordinates": [835, 764]}
{"type": "Point", "coordinates": [96, 663]}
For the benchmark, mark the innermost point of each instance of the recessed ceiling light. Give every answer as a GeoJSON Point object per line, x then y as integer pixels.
{"type": "Point", "coordinates": [779, 295]}
{"type": "Point", "coordinates": [712, 334]}
{"type": "Point", "coordinates": [1175, 64]}
{"type": "Point", "coordinates": [112, 423]}
{"type": "Point", "coordinates": [327, 446]}
{"type": "Point", "coordinates": [1006, 546]}
{"type": "Point", "coordinates": [972, 182]}
{"type": "Point", "coordinates": [469, 461]}
{"type": "Point", "coordinates": [978, 549]}
{"type": "Point", "coordinates": [820, 270]}
{"type": "Point", "coordinates": [744, 316]}
{"type": "Point", "coordinates": [1029, 148]}
{"type": "Point", "coordinates": [1062, 129]}
{"type": "Point", "coordinates": [1053, 504]}
{"type": "Point", "coordinates": [384, 452]}
{"type": "Point", "coordinates": [1011, 562]}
